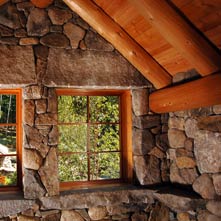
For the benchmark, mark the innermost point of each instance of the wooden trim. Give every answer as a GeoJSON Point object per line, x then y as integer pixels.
{"type": "Point", "coordinates": [18, 94]}
{"type": "Point", "coordinates": [126, 117]}
{"type": "Point", "coordinates": [199, 93]}
{"type": "Point", "coordinates": [180, 35]}
{"type": "Point", "coordinates": [130, 49]}
{"type": "Point", "coordinates": [126, 137]}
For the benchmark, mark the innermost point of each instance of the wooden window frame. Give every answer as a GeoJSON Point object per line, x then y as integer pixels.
{"type": "Point", "coordinates": [125, 137]}
{"type": "Point", "coordinates": [18, 125]}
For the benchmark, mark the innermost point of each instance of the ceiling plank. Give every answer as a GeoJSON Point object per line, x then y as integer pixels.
{"type": "Point", "coordinates": [113, 33]}
{"type": "Point", "coordinates": [180, 35]}
{"type": "Point", "coordinates": [199, 93]}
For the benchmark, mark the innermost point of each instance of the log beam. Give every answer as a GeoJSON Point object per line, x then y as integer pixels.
{"type": "Point", "coordinates": [2, 2]}
{"type": "Point", "coordinates": [199, 93]}
{"type": "Point", "coordinates": [180, 35]}
{"type": "Point", "coordinates": [113, 33]}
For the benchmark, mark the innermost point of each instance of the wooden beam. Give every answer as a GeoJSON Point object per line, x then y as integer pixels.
{"type": "Point", "coordinates": [42, 3]}
{"type": "Point", "coordinates": [2, 2]}
{"type": "Point", "coordinates": [199, 93]}
{"type": "Point", "coordinates": [180, 35]}
{"type": "Point", "coordinates": [113, 33]}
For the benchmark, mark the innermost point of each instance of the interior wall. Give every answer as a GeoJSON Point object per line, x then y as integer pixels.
{"type": "Point", "coordinates": [43, 49]}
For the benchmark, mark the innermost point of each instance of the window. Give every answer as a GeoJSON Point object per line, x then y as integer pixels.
{"type": "Point", "coordinates": [94, 137]}
{"type": "Point", "coordinates": [10, 139]}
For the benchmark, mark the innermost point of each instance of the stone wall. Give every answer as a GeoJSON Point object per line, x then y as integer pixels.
{"type": "Point", "coordinates": [195, 153]}
{"type": "Point", "coordinates": [42, 49]}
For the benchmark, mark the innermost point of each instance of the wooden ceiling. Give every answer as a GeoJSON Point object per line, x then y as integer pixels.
{"type": "Point", "coordinates": [162, 38]}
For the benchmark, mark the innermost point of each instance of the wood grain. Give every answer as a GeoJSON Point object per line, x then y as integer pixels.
{"type": "Point", "coordinates": [112, 32]}
{"type": "Point", "coordinates": [199, 93]}
{"type": "Point", "coordinates": [180, 35]}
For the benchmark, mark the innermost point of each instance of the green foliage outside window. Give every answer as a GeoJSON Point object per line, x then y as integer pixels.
{"type": "Point", "coordinates": [89, 138]}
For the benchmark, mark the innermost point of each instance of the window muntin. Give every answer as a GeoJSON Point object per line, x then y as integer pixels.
{"type": "Point", "coordinates": [10, 139]}
{"type": "Point", "coordinates": [90, 137]}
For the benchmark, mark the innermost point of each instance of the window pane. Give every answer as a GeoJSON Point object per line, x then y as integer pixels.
{"type": "Point", "coordinates": [7, 139]}
{"type": "Point", "coordinates": [104, 109]}
{"type": "Point", "coordinates": [72, 138]}
{"type": "Point", "coordinates": [105, 166]}
{"type": "Point", "coordinates": [7, 108]}
{"type": "Point", "coordinates": [73, 167]}
{"type": "Point", "coordinates": [72, 109]}
{"type": "Point", "coordinates": [8, 171]}
{"type": "Point", "coordinates": [104, 138]}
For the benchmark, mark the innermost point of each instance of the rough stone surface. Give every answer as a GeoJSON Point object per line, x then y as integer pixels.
{"type": "Point", "coordinates": [97, 213]}
{"type": "Point", "coordinates": [46, 119]}
{"type": "Point", "coordinates": [146, 121]}
{"type": "Point", "coordinates": [17, 63]}
{"type": "Point", "coordinates": [176, 138]}
{"type": "Point", "coordinates": [32, 188]}
{"type": "Point", "coordinates": [52, 101]}
{"type": "Point", "coordinates": [38, 22]}
{"type": "Point", "coordinates": [49, 173]}
{"type": "Point", "coordinates": [147, 169]}
{"type": "Point", "coordinates": [143, 142]}
{"type": "Point", "coordinates": [180, 202]}
{"type": "Point", "coordinates": [14, 206]}
{"type": "Point", "coordinates": [32, 92]}
{"type": "Point", "coordinates": [68, 215]}
{"type": "Point", "coordinates": [94, 41]}
{"type": "Point", "coordinates": [41, 52]}
{"type": "Point", "coordinates": [82, 200]}
{"type": "Point", "coordinates": [157, 152]}
{"type": "Point", "coordinates": [59, 16]}
{"type": "Point", "coordinates": [28, 218]}
{"type": "Point", "coordinates": [208, 151]}
{"type": "Point", "coordinates": [9, 16]}
{"type": "Point", "coordinates": [211, 123]}
{"type": "Point", "coordinates": [53, 136]}
{"type": "Point", "coordinates": [41, 106]}
{"type": "Point", "coordinates": [32, 160]}
{"type": "Point", "coordinates": [55, 40]}
{"type": "Point", "coordinates": [204, 215]}
{"type": "Point", "coordinates": [90, 68]}
{"type": "Point", "coordinates": [176, 122]}
{"type": "Point", "coordinates": [183, 217]}
{"type": "Point", "coordinates": [191, 128]}
{"type": "Point", "coordinates": [214, 207]}
{"type": "Point", "coordinates": [140, 102]}
{"type": "Point", "coordinates": [74, 33]}
{"type": "Point", "coordinates": [217, 183]}
{"type": "Point", "coordinates": [182, 176]}
{"type": "Point", "coordinates": [204, 186]}
{"type": "Point", "coordinates": [5, 31]}
{"type": "Point", "coordinates": [139, 217]}
{"type": "Point", "coordinates": [185, 162]}
{"type": "Point", "coordinates": [159, 213]}
{"type": "Point", "coordinates": [28, 41]}
{"type": "Point", "coordinates": [29, 108]}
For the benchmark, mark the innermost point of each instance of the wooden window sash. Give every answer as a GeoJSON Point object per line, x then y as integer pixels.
{"type": "Point", "coordinates": [125, 135]}
{"type": "Point", "coordinates": [18, 94]}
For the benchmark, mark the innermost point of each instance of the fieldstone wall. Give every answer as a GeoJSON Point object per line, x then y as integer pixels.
{"type": "Point", "coordinates": [42, 49]}
{"type": "Point", "coordinates": [195, 154]}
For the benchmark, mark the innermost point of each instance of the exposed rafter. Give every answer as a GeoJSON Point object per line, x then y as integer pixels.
{"type": "Point", "coordinates": [180, 35]}
{"type": "Point", "coordinates": [112, 32]}
{"type": "Point", "coordinates": [2, 2]}
{"type": "Point", "coordinates": [199, 93]}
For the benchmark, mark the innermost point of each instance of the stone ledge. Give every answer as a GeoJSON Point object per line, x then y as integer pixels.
{"type": "Point", "coordinates": [175, 199]}
{"type": "Point", "coordinates": [13, 203]}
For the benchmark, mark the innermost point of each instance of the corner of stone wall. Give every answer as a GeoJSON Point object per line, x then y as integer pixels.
{"type": "Point", "coordinates": [150, 141]}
